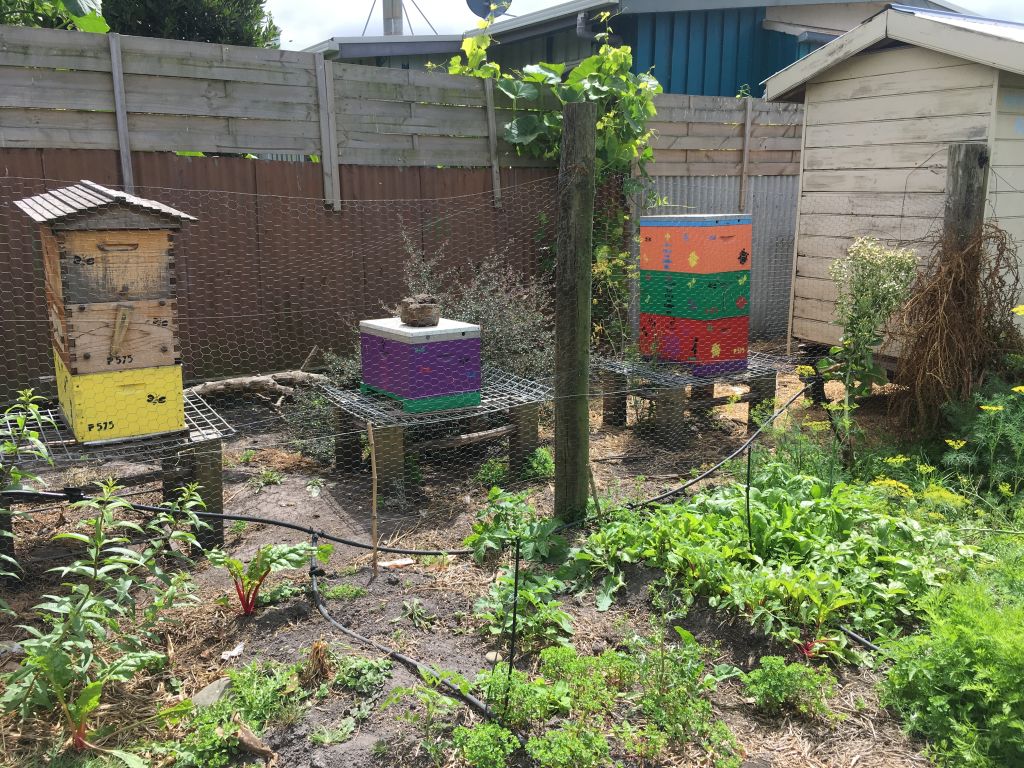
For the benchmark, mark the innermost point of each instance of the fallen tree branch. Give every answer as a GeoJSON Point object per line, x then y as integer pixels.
{"type": "Point", "coordinates": [281, 384]}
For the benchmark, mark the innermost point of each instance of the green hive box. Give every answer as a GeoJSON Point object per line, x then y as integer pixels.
{"type": "Point", "coordinates": [694, 296]}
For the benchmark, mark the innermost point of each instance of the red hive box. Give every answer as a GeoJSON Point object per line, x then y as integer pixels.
{"type": "Point", "coordinates": [709, 346]}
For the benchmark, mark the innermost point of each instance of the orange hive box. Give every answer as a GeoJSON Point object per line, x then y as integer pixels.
{"type": "Point", "coordinates": [697, 244]}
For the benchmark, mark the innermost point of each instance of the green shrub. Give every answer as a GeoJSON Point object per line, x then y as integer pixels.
{"type": "Point", "coordinates": [491, 473]}
{"type": "Point", "coordinates": [593, 681]}
{"type": "Point", "coordinates": [958, 683]}
{"type": "Point", "coordinates": [571, 746]}
{"type": "Point", "coordinates": [486, 745]}
{"type": "Point", "coordinates": [776, 685]}
{"type": "Point", "coordinates": [540, 465]}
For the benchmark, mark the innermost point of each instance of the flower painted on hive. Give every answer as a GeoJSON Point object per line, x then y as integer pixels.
{"type": "Point", "coordinates": [694, 258]}
{"type": "Point", "coordinates": [741, 302]}
{"type": "Point", "coordinates": [716, 349]}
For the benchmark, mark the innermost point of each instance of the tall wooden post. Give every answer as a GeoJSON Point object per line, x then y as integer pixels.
{"type": "Point", "coordinates": [572, 308]}
{"type": "Point", "coordinates": [964, 215]}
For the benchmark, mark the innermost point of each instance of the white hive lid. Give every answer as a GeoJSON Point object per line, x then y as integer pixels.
{"type": "Point", "coordinates": [394, 328]}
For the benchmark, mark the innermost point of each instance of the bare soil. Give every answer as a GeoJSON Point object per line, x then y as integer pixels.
{"type": "Point", "coordinates": [627, 465]}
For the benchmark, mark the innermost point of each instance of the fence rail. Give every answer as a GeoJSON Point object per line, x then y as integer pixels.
{"type": "Point", "coordinates": [115, 109]}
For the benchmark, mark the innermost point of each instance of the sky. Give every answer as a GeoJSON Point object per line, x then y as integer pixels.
{"type": "Point", "coordinates": [307, 22]}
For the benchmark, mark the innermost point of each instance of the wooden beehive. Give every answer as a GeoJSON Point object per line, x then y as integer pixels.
{"type": "Point", "coordinates": [425, 369]}
{"type": "Point", "coordinates": [695, 290]}
{"type": "Point", "coordinates": [108, 265]}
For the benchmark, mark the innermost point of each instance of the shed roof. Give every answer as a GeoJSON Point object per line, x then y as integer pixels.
{"type": "Point", "coordinates": [996, 43]}
{"type": "Point", "coordinates": [86, 196]}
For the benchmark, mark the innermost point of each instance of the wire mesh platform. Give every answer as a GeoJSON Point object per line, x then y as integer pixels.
{"type": "Point", "coordinates": [677, 375]}
{"type": "Point", "coordinates": [202, 424]}
{"type": "Point", "coordinates": [500, 391]}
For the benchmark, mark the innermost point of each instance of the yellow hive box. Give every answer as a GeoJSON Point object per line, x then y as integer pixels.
{"type": "Point", "coordinates": [121, 404]}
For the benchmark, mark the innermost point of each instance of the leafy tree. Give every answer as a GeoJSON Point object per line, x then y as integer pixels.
{"type": "Point", "coordinates": [53, 14]}
{"type": "Point", "coordinates": [233, 22]}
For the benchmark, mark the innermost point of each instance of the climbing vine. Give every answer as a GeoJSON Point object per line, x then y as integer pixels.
{"type": "Point", "coordinates": [625, 102]}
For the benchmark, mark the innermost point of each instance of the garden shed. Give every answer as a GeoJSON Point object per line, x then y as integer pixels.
{"type": "Point", "coordinates": [883, 104]}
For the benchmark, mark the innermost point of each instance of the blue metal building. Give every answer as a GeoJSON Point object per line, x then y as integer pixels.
{"type": "Point", "coordinates": [697, 47]}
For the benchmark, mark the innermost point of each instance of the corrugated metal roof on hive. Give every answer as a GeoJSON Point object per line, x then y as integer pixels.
{"type": "Point", "coordinates": [88, 196]}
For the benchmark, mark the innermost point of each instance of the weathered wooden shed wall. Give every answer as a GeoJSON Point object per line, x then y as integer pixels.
{"type": "Point", "coordinates": [1006, 181]}
{"type": "Point", "coordinates": [875, 142]}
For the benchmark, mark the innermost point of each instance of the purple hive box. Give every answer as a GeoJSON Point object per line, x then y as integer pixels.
{"type": "Point", "coordinates": [410, 363]}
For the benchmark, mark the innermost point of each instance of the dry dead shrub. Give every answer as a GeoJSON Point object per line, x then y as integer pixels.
{"type": "Point", "coordinates": [957, 327]}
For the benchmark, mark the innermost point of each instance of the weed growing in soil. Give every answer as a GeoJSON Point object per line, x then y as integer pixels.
{"type": "Point", "coordinates": [776, 685]}
{"type": "Point", "coordinates": [650, 698]}
{"type": "Point", "coordinates": [279, 593]}
{"type": "Point", "coordinates": [264, 478]}
{"type": "Point", "coordinates": [338, 734]}
{"type": "Point", "coordinates": [414, 611]}
{"type": "Point", "coordinates": [540, 465]}
{"type": "Point", "coordinates": [343, 592]}
{"type": "Point", "coordinates": [237, 528]}
{"type": "Point", "coordinates": [260, 694]}
{"type": "Point", "coordinates": [431, 711]}
{"type": "Point", "coordinates": [488, 745]}
{"type": "Point", "coordinates": [361, 675]}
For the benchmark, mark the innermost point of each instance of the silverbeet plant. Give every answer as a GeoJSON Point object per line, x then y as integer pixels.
{"type": "Point", "coordinates": [249, 577]}
{"type": "Point", "coordinates": [100, 633]}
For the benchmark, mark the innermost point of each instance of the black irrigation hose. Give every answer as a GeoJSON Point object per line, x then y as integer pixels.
{"type": "Point", "coordinates": [418, 667]}
{"type": "Point", "coordinates": [857, 638]}
{"type": "Point", "coordinates": [71, 494]}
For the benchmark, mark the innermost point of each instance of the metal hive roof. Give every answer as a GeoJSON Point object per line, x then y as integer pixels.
{"type": "Point", "coordinates": [63, 203]}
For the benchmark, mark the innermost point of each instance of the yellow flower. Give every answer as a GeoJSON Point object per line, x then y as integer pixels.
{"type": "Point", "coordinates": [896, 461]}
{"type": "Point", "coordinates": [805, 370]}
{"type": "Point", "coordinates": [893, 487]}
{"type": "Point", "coordinates": [925, 469]}
{"type": "Point", "coordinates": [1019, 390]}
{"type": "Point", "coordinates": [956, 445]}
{"type": "Point", "coordinates": [1004, 489]}
{"type": "Point", "coordinates": [817, 426]}
{"type": "Point", "coordinates": [991, 408]}
{"type": "Point", "coordinates": [1018, 310]}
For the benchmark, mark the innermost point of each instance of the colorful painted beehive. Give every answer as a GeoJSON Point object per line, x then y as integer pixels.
{"type": "Point", "coordinates": [425, 369]}
{"type": "Point", "coordinates": [108, 266]}
{"type": "Point", "coordinates": [695, 290]}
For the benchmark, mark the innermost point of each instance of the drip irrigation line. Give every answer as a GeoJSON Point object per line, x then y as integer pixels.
{"type": "Point", "coordinates": [857, 638]}
{"type": "Point", "coordinates": [515, 618]}
{"type": "Point", "coordinates": [415, 666]}
{"type": "Point", "coordinates": [72, 494]}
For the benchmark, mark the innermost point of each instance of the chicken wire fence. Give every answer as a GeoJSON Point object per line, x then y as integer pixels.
{"type": "Point", "coordinates": [253, 347]}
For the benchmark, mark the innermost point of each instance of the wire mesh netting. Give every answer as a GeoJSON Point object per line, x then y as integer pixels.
{"type": "Point", "coordinates": [257, 349]}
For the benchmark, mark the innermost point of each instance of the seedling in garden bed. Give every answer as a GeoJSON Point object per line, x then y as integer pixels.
{"type": "Point", "coordinates": [414, 611]}
{"type": "Point", "coordinates": [264, 478]}
{"type": "Point", "coordinates": [280, 557]}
